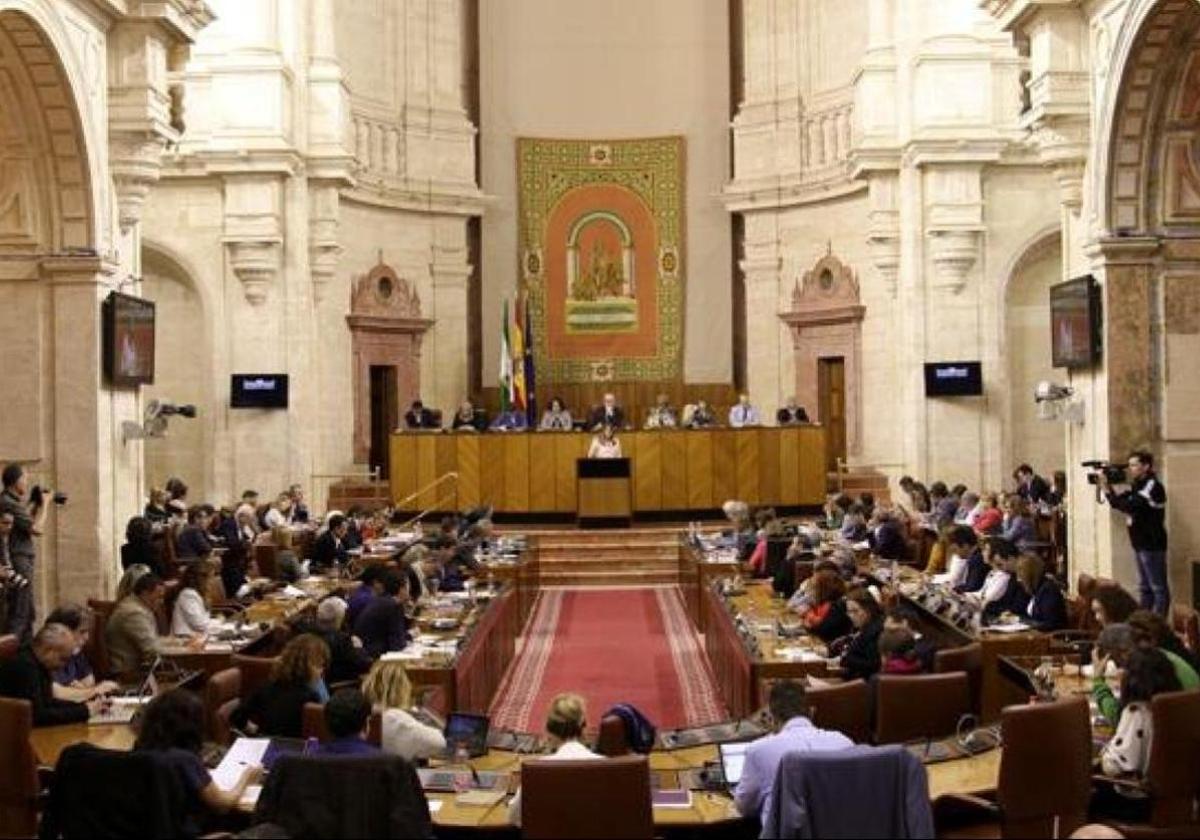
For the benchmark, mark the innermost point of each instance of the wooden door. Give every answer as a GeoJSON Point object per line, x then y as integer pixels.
{"type": "Point", "coordinates": [831, 385]}
{"type": "Point", "coordinates": [385, 416]}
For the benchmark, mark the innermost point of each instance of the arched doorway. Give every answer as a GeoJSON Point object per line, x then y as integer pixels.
{"type": "Point", "coordinates": [183, 375]}
{"type": "Point", "coordinates": [1026, 343]}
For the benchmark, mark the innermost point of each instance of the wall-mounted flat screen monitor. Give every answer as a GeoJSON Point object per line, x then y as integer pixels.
{"type": "Point", "coordinates": [259, 390]}
{"type": "Point", "coordinates": [1075, 323]}
{"type": "Point", "coordinates": [128, 335]}
{"type": "Point", "coordinates": [953, 379]}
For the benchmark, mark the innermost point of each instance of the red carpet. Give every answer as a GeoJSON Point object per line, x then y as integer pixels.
{"type": "Point", "coordinates": [632, 645]}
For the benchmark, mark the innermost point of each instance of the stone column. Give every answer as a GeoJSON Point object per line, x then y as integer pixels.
{"type": "Point", "coordinates": [444, 362]}
{"type": "Point", "coordinates": [762, 266]}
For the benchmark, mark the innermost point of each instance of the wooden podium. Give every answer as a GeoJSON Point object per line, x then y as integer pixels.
{"type": "Point", "coordinates": [603, 492]}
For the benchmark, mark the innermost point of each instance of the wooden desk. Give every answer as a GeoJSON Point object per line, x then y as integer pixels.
{"type": "Point", "coordinates": [49, 741]}
{"type": "Point", "coordinates": [673, 470]}
{"type": "Point", "coordinates": [697, 571]}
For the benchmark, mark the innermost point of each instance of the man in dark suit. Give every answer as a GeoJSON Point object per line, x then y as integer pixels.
{"type": "Point", "coordinates": [420, 417]}
{"type": "Point", "coordinates": [193, 540]}
{"type": "Point", "coordinates": [330, 548]}
{"type": "Point", "coordinates": [27, 676]}
{"type": "Point", "coordinates": [382, 625]}
{"type": "Point", "coordinates": [791, 414]}
{"type": "Point", "coordinates": [608, 414]}
{"type": "Point", "coordinates": [1030, 486]}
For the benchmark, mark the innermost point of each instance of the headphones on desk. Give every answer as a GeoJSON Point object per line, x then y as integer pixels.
{"type": "Point", "coordinates": [973, 738]}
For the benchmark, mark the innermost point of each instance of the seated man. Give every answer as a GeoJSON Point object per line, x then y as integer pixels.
{"type": "Point", "coordinates": [132, 629]}
{"type": "Point", "coordinates": [466, 419]}
{"type": "Point", "coordinates": [382, 625]}
{"type": "Point", "coordinates": [347, 660]}
{"type": "Point", "coordinates": [193, 541]}
{"type": "Point", "coordinates": [370, 584]}
{"type": "Point", "coordinates": [420, 417]}
{"type": "Point", "coordinates": [347, 716]}
{"type": "Point", "coordinates": [794, 733]}
{"type": "Point", "coordinates": [662, 416]}
{"type": "Point", "coordinates": [700, 417]}
{"type": "Point", "coordinates": [608, 414]}
{"type": "Point", "coordinates": [513, 420]}
{"type": "Point", "coordinates": [299, 510]}
{"type": "Point", "coordinates": [330, 549]}
{"type": "Point", "coordinates": [744, 414]}
{"type": "Point", "coordinates": [27, 676]}
{"type": "Point", "coordinates": [791, 414]}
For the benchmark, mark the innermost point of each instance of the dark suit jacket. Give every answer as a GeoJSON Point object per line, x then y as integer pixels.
{"type": "Point", "coordinates": [1037, 489]}
{"type": "Point", "coordinates": [145, 554]}
{"type": "Point", "coordinates": [192, 542]}
{"type": "Point", "coordinates": [346, 662]}
{"type": "Point", "coordinates": [276, 709]}
{"type": "Point", "coordinates": [976, 573]}
{"type": "Point", "coordinates": [24, 678]}
{"type": "Point", "coordinates": [785, 418]}
{"type": "Point", "coordinates": [597, 417]}
{"type": "Point", "coordinates": [1049, 607]}
{"type": "Point", "coordinates": [861, 659]}
{"type": "Point", "coordinates": [382, 626]}
{"type": "Point", "coordinates": [422, 420]}
{"type": "Point", "coordinates": [1014, 600]}
{"type": "Point", "coordinates": [478, 422]}
{"type": "Point", "coordinates": [888, 541]}
{"type": "Point", "coordinates": [327, 551]}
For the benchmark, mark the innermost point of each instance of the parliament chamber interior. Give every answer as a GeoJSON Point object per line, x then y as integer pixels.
{"type": "Point", "coordinates": [548, 418]}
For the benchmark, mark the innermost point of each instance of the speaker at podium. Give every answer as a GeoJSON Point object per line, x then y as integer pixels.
{"type": "Point", "coordinates": [604, 492]}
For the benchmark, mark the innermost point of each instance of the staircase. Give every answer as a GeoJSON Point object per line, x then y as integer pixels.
{"type": "Point", "coordinates": [628, 557]}
{"type": "Point", "coordinates": [858, 480]}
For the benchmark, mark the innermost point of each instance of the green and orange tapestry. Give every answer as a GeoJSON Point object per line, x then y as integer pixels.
{"type": "Point", "coordinates": [601, 242]}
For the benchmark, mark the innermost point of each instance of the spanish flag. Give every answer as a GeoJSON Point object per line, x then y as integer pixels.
{"type": "Point", "coordinates": [517, 361]}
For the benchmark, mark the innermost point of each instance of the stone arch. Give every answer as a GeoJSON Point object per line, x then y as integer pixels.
{"type": "Point", "coordinates": [47, 189]}
{"type": "Point", "coordinates": [184, 372]}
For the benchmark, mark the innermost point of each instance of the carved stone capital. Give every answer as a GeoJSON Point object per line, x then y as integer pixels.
{"type": "Point", "coordinates": [256, 264]}
{"type": "Point", "coordinates": [135, 159]}
{"type": "Point", "coordinates": [954, 254]}
{"type": "Point", "coordinates": [884, 247]}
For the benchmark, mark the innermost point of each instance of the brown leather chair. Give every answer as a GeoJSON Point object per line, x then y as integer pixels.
{"type": "Point", "coordinates": [96, 648]}
{"type": "Point", "coordinates": [312, 725]}
{"type": "Point", "coordinates": [909, 708]}
{"type": "Point", "coordinates": [1173, 775]}
{"type": "Point", "coordinates": [588, 798]}
{"type": "Point", "coordinates": [18, 770]}
{"type": "Point", "coordinates": [1186, 623]}
{"type": "Point", "coordinates": [265, 555]}
{"type": "Point", "coordinates": [9, 645]}
{"type": "Point", "coordinates": [612, 740]}
{"type": "Point", "coordinates": [256, 671]}
{"type": "Point", "coordinates": [969, 660]}
{"type": "Point", "coordinates": [1045, 776]}
{"type": "Point", "coordinates": [222, 693]}
{"type": "Point", "coordinates": [845, 707]}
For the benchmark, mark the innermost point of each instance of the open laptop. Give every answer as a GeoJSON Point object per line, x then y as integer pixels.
{"type": "Point", "coordinates": [466, 730]}
{"type": "Point", "coordinates": [733, 759]}
{"type": "Point", "coordinates": [123, 705]}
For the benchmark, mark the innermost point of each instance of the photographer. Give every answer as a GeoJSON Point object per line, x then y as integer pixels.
{"type": "Point", "coordinates": [28, 518]}
{"type": "Point", "coordinates": [1145, 507]}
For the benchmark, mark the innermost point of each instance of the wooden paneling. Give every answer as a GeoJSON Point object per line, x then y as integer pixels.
{"type": "Point", "coordinates": [700, 471]}
{"type": "Point", "coordinates": [672, 470]}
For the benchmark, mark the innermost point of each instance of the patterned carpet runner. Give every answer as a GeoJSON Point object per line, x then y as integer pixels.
{"type": "Point", "coordinates": [633, 645]}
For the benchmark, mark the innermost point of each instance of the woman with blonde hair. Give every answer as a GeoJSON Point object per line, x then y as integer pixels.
{"type": "Point", "coordinates": [389, 692]}
{"type": "Point", "coordinates": [297, 677]}
{"type": "Point", "coordinates": [565, 723]}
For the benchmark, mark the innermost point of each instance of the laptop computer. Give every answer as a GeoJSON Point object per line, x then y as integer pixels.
{"type": "Point", "coordinates": [124, 704]}
{"type": "Point", "coordinates": [466, 730]}
{"type": "Point", "coordinates": [733, 759]}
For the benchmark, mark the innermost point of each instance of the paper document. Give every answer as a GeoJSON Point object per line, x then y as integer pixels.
{"type": "Point", "coordinates": [245, 752]}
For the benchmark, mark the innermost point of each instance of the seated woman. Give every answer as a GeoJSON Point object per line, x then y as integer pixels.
{"type": "Point", "coordinates": [139, 548]}
{"type": "Point", "coordinates": [859, 652]}
{"type": "Point", "coordinates": [191, 616]}
{"type": "Point", "coordinates": [1148, 672]}
{"type": "Point", "coordinates": [1111, 604]}
{"type": "Point", "coordinates": [988, 516]}
{"type": "Point", "coordinates": [826, 617]}
{"type": "Point", "coordinates": [297, 677]}
{"type": "Point", "coordinates": [556, 418]}
{"type": "Point", "coordinates": [699, 416]}
{"type": "Point", "coordinates": [1017, 526]}
{"type": "Point", "coordinates": [661, 416]}
{"type": "Point", "coordinates": [75, 681]}
{"type": "Point", "coordinates": [898, 652]}
{"type": "Point", "coordinates": [605, 444]}
{"type": "Point", "coordinates": [389, 691]}
{"type": "Point", "coordinates": [172, 728]}
{"type": "Point", "coordinates": [565, 724]}
{"type": "Point", "coordinates": [1047, 609]}
{"type": "Point", "coordinates": [465, 419]}
{"type": "Point", "coordinates": [1002, 592]}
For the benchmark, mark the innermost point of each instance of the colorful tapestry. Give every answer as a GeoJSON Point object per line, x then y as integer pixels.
{"type": "Point", "coordinates": [601, 242]}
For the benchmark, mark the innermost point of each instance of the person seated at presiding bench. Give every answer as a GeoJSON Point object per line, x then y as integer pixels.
{"type": "Point", "coordinates": [565, 724]}
{"type": "Point", "coordinates": [791, 414]}
{"type": "Point", "coordinates": [132, 630]}
{"type": "Point", "coordinates": [75, 680]}
{"type": "Point", "coordinates": [467, 419]}
{"type": "Point", "coordinates": [513, 420]}
{"type": "Point", "coordinates": [297, 677]}
{"type": "Point", "coordinates": [699, 416]}
{"type": "Point", "coordinates": [389, 691]}
{"type": "Point", "coordinates": [27, 676]}
{"type": "Point", "coordinates": [743, 414]}
{"type": "Point", "coordinates": [347, 716]}
{"type": "Point", "coordinates": [556, 418]}
{"type": "Point", "coordinates": [172, 728]}
{"type": "Point", "coordinates": [330, 550]}
{"type": "Point", "coordinates": [607, 414]}
{"type": "Point", "coordinates": [661, 416]}
{"type": "Point", "coordinates": [420, 417]}
{"type": "Point", "coordinates": [382, 625]}
{"type": "Point", "coordinates": [794, 732]}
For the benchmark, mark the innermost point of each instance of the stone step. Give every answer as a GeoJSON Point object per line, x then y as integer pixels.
{"type": "Point", "coordinates": [606, 578]}
{"type": "Point", "coordinates": [610, 552]}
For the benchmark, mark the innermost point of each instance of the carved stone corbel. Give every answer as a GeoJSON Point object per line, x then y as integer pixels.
{"type": "Point", "coordinates": [954, 253]}
{"type": "Point", "coordinates": [255, 263]}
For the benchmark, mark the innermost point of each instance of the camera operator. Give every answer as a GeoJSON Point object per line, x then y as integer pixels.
{"type": "Point", "coordinates": [1145, 507]}
{"type": "Point", "coordinates": [28, 518]}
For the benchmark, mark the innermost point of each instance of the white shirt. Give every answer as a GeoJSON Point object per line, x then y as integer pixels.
{"type": "Point", "coordinates": [602, 448]}
{"type": "Point", "coordinates": [1128, 751]}
{"type": "Point", "coordinates": [569, 751]}
{"type": "Point", "coordinates": [274, 519]}
{"type": "Point", "coordinates": [743, 415]}
{"type": "Point", "coordinates": [994, 586]}
{"type": "Point", "coordinates": [957, 571]}
{"type": "Point", "coordinates": [407, 737]}
{"type": "Point", "coordinates": [190, 616]}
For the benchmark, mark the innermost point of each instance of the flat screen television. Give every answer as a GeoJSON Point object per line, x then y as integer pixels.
{"type": "Point", "coordinates": [953, 379]}
{"type": "Point", "coordinates": [259, 390]}
{"type": "Point", "coordinates": [128, 335]}
{"type": "Point", "coordinates": [1075, 323]}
